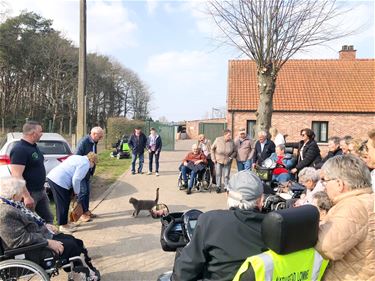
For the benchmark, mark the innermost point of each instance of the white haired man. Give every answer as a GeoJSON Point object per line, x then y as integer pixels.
{"type": "Point", "coordinates": [264, 147]}
{"type": "Point", "coordinates": [223, 239]}
{"type": "Point", "coordinates": [88, 144]}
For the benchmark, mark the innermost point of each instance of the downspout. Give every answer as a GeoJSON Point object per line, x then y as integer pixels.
{"type": "Point", "coordinates": [232, 124]}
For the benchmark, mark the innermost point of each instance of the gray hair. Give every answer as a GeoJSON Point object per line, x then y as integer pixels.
{"type": "Point", "coordinates": [97, 130]}
{"type": "Point", "coordinates": [262, 133]}
{"type": "Point", "coordinates": [335, 140]}
{"type": "Point", "coordinates": [232, 202]}
{"type": "Point", "coordinates": [350, 169]}
{"type": "Point", "coordinates": [308, 173]}
{"type": "Point", "coordinates": [29, 127]}
{"type": "Point", "coordinates": [10, 186]}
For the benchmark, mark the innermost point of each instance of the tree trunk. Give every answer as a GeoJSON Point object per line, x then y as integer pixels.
{"type": "Point", "coordinates": [266, 87]}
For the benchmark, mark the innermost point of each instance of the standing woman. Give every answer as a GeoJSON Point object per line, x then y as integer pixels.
{"type": "Point", "coordinates": [223, 151]}
{"type": "Point", "coordinates": [308, 151]}
{"type": "Point", "coordinates": [69, 174]}
{"type": "Point", "coordinates": [153, 146]}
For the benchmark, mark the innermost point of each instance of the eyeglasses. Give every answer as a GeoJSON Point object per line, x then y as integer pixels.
{"type": "Point", "coordinates": [324, 181]}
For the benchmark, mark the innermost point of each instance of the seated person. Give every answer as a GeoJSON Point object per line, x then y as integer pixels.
{"type": "Point", "coordinates": [20, 227]}
{"type": "Point", "coordinates": [323, 203]}
{"type": "Point", "coordinates": [284, 162]}
{"type": "Point", "coordinates": [309, 177]}
{"type": "Point", "coordinates": [193, 163]}
{"type": "Point", "coordinates": [223, 239]}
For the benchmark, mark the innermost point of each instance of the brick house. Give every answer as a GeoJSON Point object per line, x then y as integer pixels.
{"type": "Point", "coordinates": [333, 97]}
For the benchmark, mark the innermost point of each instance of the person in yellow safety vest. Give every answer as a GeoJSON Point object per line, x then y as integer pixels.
{"type": "Point", "coordinates": [305, 264]}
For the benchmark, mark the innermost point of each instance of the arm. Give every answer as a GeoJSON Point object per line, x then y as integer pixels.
{"type": "Point", "coordinates": [252, 148]}
{"type": "Point", "coordinates": [79, 174]}
{"type": "Point", "coordinates": [345, 227]}
{"type": "Point", "coordinates": [13, 231]}
{"type": "Point", "coordinates": [81, 147]}
{"type": "Point", "coordinates": [131, 142]}
{"type": "Point", "coordinates": [311, 153]}
{"type": "Point", "coordinates": [233, 154]}
{"type": "Point", "coordinates": [190, 264]}
{"type": "Point", "coordinates": [292, 144]}
{"type": "Point", "coordinates": [213, 152]}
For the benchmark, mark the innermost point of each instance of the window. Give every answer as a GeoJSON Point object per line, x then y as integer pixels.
{"type": "Point", "coordinates": [250, 128]}
{"type": "Point", "coordinates": [320, 129]}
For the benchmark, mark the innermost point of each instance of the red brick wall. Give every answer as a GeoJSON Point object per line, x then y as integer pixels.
{"type": "Point", "coordinates": [339, 124]}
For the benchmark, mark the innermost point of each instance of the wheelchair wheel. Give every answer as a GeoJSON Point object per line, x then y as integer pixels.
{"type": "Point", "coordinates": [180, 183]}
{"type": "Point", "coordinates": [12, 270]}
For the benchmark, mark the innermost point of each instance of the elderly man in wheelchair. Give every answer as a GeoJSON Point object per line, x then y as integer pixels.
{"type": "Point", "coordinates": [193, 165]}
{"type": "Point", "coordinates": [33, 250]}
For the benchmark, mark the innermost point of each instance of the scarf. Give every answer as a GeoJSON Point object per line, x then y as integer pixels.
{"type": "Point", "coordinates": [20, 206]}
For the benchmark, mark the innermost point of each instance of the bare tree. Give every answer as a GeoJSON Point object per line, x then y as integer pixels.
{"type": "Point", "coordinates": [270, 32]}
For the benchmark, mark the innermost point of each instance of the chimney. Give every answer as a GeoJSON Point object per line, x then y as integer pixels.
{"type": "Point", "coordinates": [347, 53]}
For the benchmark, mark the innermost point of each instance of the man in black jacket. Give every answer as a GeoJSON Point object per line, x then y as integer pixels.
{"type": "Point", "coordinates": [223, 239]}
{"type": "Point", "coordinates": [333, 150]}
{"type": "Point", "coordinates": [264, 147]}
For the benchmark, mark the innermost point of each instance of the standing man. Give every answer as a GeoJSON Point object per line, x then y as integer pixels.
{"type": "Point", "coordinates": [205, 145]}
{"type": "Point", "coordinates": [137, 144]}
{"type": "Point", "coordinates": [88, 144]}
{"type": "Point", "coordinates": [222, 154]}
{"type": "Point", "coordinates": [244, 151]}
{"type": "Point", "coordinates": [263, 148]}
{"type": "Point", "coordinates": [153, 145]}
{"type": "Point", "coordinates": [27, 162]}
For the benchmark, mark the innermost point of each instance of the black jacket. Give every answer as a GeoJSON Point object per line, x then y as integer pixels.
{"type": "Point", "coordinates": [260, 156]}
{"type": "Point", "coordinates": [222, 240]}
{"type": "Point", "coordinates": [330, 154]}
{"type": "Point", "coordinates": [137, 145]}
{"type": "Point", "coordinates": [311, 154]}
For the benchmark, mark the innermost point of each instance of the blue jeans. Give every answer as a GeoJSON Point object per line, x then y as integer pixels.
{"type": "Point", "coordinates": [141, 160]}
{"type": "Point", "coordinates": [282, 177]}
{"type": "Point", "coordinates": [185, 171]}
{"type": "Point", "coordinates": [84, 194]}
{"type": "Point", "coordinates": [244, 165]}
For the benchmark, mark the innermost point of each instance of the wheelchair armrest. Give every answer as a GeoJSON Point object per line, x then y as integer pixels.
{"type": "Point", "coordinates": [22, 250]}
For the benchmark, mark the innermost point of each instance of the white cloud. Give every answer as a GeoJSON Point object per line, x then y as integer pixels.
{"type": "Point", "coordinates": [109, 27]}
{"type": "Point", "coordinates": [151, 6]}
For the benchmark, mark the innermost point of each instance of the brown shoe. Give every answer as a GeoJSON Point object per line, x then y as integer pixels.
{"type": "Point", "coordinates": [88, 213]}
{"type": "Point", "coordinates": [85, 218]}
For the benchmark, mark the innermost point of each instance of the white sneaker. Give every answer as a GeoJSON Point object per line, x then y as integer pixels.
{"type": "Point", "coordinates": [157, 174]}
{"type": "Point", "coordinates": [149, 173]}
{"type": "Point", "coordinates": [67, 229]}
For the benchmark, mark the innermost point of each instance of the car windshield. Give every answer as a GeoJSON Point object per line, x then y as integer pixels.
{"type": "Point", "coordinates": [53, 147]}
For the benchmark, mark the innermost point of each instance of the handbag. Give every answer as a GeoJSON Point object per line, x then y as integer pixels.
{"type": "Point", "coordinates": [76, 212]}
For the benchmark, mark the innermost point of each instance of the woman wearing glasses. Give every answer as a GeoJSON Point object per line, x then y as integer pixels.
{"type": "Point", "coordinates": [308, 151]}
{"type": "Point", "coordinates": [347, 236]}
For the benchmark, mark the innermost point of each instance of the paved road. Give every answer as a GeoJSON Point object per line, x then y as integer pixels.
{"type": "Point", "coordinates": [126, 248]}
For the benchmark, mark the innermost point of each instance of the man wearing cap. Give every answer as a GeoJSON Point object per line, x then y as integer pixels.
{"type": "Point", "coordinates": [223, 239]}
{"type": "Point", "coordinates": [245, 151]}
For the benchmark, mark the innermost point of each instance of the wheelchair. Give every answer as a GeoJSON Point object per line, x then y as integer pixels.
{"type": "Point", "coordinates": [14, 266]}
{"type": "Point", "coordinates": [202, 182]}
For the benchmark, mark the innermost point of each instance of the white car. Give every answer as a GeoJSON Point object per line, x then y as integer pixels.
{"type": "Point", "coordinates": [53, 146]}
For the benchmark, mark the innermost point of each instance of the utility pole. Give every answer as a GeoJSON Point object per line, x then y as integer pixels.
{"type": "Point", "coordinates": [81, 95]}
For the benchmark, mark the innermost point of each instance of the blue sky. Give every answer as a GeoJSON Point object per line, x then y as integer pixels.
{"type": "Point", "coordinates": [169, 44]}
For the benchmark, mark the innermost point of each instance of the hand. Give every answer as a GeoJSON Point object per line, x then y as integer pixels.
{"type": "Point", "coordinates": [149, 150]}
{"type": "Point", "coordinates": [55, 246]}
{"type": "Point", "coordinates": [185, 163]}
{"type": "Point", "coordinates": [52, 228]}
{"type": "Point", "coordinates": [253, 165]}
{"type": "Point", "coordinates": [156, 152]}
{"type": "Point", "coordinates": [29, 202]}
{"type": "Point", "coordinates": [293, 171]}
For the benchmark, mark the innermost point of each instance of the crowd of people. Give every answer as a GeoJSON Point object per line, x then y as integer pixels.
{"type": "Point", "coordinates": [341, 185]}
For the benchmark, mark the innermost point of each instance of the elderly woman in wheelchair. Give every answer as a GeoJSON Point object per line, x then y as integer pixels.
{"type": "Point", "coordinates": [30, 247]}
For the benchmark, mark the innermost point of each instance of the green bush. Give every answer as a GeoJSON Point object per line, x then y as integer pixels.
{"type": "Point", "coordinates": [118, 126]}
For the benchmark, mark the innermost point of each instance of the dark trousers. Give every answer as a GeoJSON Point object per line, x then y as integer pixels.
{"type": "Point", "coordinates": [84, 194]}
{"type": "Point", "coordinates": [62, 201]}
{"type": "Point", "coordinates": [211, 165]}
{"type": "Point", "coordinates": [150, 158]}
{"type": "Point", "coordinates": [41, 203]}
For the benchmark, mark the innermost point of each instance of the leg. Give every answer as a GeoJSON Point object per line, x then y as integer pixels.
{"type": "Point", "coordinates": [42, 205]}
{"type": "Point", "coordinates": [212, 170]}
{"type": "Point", "coordinates": [218, 168]}
{"type": "Point", "coordinates": [72, 246]}
{"type": "Point", "coordinates": [62, 200]}
{"type": "Point", "coordinates": [283, 177]}
{"type": "Point", "coordinates": [193, 176]}
{"type": "Point", "coordinates": [157, 155]}
{"type": "Point", "coordinates": [185, 170]}
{"type": "Point", "coordinates": [240, 166]}
{"type": "Point", "coordinates": [226, 173]}
{"type": "Point", "coordinates": [141, 160]}
{"type": "Point", "coordinates": [150, 158]}
{"type": "Point", "coordinates": [134, 158]}
{"type": "Point", "coordinates": [84, 194]}
{"type": "Point", "coordinates": [248, 164]}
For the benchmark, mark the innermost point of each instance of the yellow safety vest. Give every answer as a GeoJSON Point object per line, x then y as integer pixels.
{"type": "Point", "coordinates": [302, 265]}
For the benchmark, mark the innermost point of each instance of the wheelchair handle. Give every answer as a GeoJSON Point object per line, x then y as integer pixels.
{"type": "Point", "coordinates": [168, 241]}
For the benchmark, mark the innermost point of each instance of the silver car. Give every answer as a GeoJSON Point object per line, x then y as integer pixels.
{"type": "Point", "coordinates": [53, 146]}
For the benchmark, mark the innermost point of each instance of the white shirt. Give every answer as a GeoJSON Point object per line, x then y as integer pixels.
{"type": "Point", "coordinates": [279, 139]}
{"type": "Point", "coordinates": [70, 172]}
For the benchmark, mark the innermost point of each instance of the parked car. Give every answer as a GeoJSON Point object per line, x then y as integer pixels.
{"type": "Point", "coordinates": [53, 146]}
